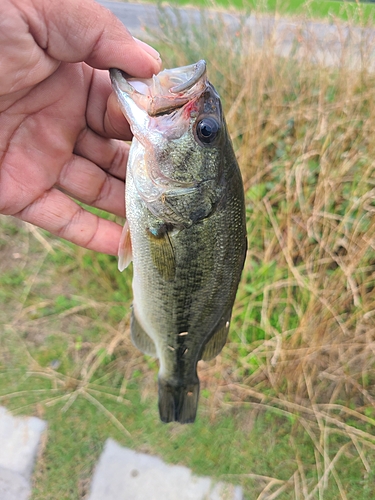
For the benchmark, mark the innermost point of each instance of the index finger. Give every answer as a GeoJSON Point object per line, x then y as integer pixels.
{"type": "Point", "coordinates": [74, 31]}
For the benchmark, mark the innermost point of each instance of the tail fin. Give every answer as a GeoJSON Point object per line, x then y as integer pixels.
{"type": "Point", "coordinates": [178, 403]}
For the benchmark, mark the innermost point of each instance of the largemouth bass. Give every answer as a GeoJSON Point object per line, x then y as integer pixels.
{"type": "Point", "coordinates": [185, 229]}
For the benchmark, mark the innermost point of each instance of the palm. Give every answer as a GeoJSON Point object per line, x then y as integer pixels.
{"type": "Point", "coordinates": [58, 120]}
{"type": "Point", "coordinates": [40, 147]}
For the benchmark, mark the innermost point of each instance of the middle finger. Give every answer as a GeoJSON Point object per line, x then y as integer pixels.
{"type": "Point", "coordinates": [109, 154]}
{"type": "Point", "coordinates": [87, 182]}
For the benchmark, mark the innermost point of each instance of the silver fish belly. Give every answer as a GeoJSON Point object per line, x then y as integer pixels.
{"type": "Point", "coordinates": [185, 229]}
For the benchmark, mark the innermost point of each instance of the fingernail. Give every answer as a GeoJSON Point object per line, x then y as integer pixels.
{"type": "Point", "coordinates": [150, 50]}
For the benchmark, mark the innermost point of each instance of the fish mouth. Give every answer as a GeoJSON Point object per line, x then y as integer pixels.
{"type": "Point", "coordinates": [165, 92]}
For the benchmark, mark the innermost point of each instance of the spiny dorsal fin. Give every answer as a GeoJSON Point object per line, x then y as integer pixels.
{"type": "Point", "coordinates": [216, 342]}
{"type": "Point", "coordinates": [140, 338]}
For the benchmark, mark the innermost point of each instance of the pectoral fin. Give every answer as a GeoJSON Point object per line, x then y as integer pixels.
{"type": "Point", "coordinates": [140, 338]}
{"type": "Point", "coordinates": [162, 253]}
{"type": "Point", "coordinates": [125, 248]}
{"type": "Point", "coordinates": [216, 343]}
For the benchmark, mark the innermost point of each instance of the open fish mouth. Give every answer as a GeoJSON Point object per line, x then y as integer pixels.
{"type": "Point", "coordinates": [163, 93]}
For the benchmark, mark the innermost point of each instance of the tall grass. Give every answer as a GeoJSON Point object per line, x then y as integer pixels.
{"type": "Point", "coordinates": [303, 336]}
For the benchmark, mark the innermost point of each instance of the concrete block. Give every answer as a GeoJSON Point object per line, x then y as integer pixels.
{"type": "Point", "coordinates": [123, 474]}
{"type": "Point", "coordinates": [13, 486]}
{"type": "Point", "coordinates": [19, 442]}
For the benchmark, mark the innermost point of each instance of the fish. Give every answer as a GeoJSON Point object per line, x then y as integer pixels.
{"type": "Point", "coordinates": [185, 228]}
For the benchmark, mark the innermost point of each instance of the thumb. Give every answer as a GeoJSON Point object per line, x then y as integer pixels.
{"type": "Point", "coordinates": [72, 31]}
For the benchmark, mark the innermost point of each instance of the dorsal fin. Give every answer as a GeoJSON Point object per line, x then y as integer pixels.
{"type": "Point", "coordinates": [217, 341]}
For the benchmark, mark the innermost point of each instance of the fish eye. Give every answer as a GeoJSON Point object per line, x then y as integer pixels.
{"type": "Point", "coordinates": [207, 130]}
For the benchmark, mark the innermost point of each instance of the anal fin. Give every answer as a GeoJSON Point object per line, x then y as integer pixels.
{"type": "Point", "coordinates": [140, 338]}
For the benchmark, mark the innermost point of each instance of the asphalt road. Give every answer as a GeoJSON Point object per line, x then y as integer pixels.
{"type": "Point", "coordinates": [134, 16]}
{"type": "Point", "coordinates": [324, 42]}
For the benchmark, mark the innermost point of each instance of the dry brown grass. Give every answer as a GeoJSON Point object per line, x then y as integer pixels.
{"type": "Point", "coordinates": [304, 139]}
{"type": "Point", "coordinates": [304, 136]}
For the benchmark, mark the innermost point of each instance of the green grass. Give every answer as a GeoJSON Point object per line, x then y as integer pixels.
{"type": "Point", "coordinates": [288, 409]}
{"type": "Point", "coordinates": [257, 448]}
{"type": "Point", "coordinates": [49, 349]}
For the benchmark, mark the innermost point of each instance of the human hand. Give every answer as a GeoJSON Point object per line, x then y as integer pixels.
{"type": "Point", "coordinates": [58, 120]}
